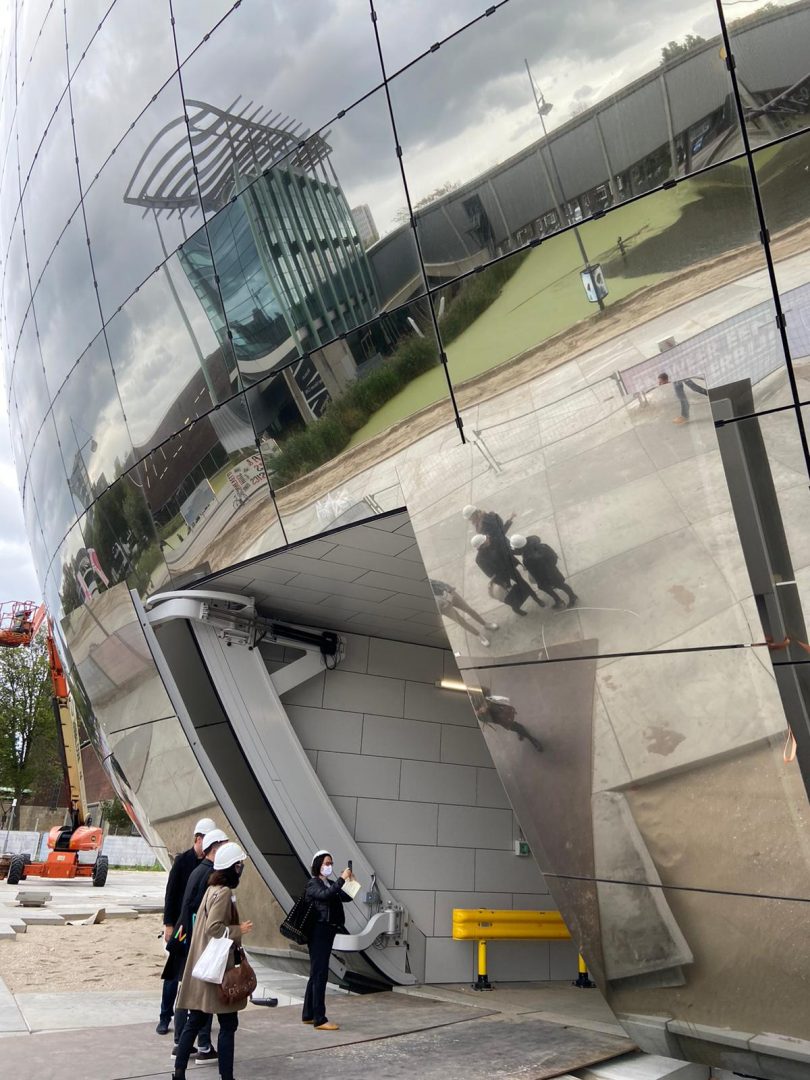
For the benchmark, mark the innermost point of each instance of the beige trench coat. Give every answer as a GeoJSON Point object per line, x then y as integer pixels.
{"type": "Point", "coordinates": [217, 913]}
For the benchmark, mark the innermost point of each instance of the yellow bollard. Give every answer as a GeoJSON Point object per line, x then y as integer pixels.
{"type": "Point", "coordinates": [583, 980]}
{"type": "Point", "coordinates": [482, 982]}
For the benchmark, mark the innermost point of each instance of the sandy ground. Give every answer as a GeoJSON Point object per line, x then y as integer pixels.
{"type": "Point", "coordinates": [121, 954]}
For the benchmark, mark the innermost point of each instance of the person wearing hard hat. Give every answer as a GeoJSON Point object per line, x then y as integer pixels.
{"type": "Point", "coordinates": [181, 939]}
{"type": "Point", "coordinates": [216, 916]}
{"type": "Point", "coordinates": [325, 892]}
{"type": "Point", "coordinates": [181, 871]}
{"type": "Point", "coordinates": [505, 581]}
{"type": "Point", "coordinates": [540, 560]}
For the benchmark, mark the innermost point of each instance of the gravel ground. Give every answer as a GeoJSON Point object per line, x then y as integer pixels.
{"type": "Point", "coordinates": [121, 954]}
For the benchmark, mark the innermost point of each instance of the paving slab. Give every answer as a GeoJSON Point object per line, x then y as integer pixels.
{"type": "Point", "coordinates": [387, 1035]}
{"type": "Point", "coordinates": [11, 1019]}
{"type": "Point", "coordinates": [70, 1012]}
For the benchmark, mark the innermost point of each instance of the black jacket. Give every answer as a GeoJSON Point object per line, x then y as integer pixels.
{"type": "Point", "coordinates": [176, 885]}
{"type": "Point", "coordinates": [328, 899]}
{"type": "Point", "coordinates": [195, 891]}
{"type": "Point", "coordinates": [541, 561]}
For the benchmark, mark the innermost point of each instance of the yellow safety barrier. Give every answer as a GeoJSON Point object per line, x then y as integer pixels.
{"type": "Point", "coordinates": [484, 924]}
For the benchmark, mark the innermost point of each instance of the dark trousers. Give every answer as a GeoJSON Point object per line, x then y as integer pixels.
{"type": "Point", "coordinates": [680, 394]}
{"type": "Point", "coordinates": [320, 949]}
{"type": "Point", "coordinates": [167, 999]}
{"type": "Point", "coordinates": [228, 1023]}
{"type": "Point", "coordinates": [180, 1021]}
{"type": "Point", "coordinates": [551, 590]}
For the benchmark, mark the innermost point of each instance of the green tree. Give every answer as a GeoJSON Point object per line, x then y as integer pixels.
{"type": "Point", "coordinates": [678, 48]}
{"type": "Point", "coordinates": [29, 751]}
{"type": "Point", "coordinates": [114, 814]}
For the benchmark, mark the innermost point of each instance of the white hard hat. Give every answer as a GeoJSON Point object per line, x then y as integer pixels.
{"type": "Point", "coordinates": [468, 511]}
{"type": "Point", "coordinates": [323, 851]}
{"type": "Point", "coordinates": [518, 541]}
{"type": "Point", "coordinates": [228, 855]}
{"type": "Point", "coordinates": [204, 825]}
{"type": "Point", "coordinates": [216, 836]}
{"type": "Point", "coordinates": [478, 540]}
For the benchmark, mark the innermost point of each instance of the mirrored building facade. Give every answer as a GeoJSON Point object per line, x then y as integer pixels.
{"type": "Point", "coordinates": [312, 314]}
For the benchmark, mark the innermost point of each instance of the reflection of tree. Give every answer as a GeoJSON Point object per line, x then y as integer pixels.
{"type": "Point", "coordinates": [119, 528]}
{"type": "Point", "coordinates": [678, 48]}
{"type": "Point", "coordinates": [402, 216]}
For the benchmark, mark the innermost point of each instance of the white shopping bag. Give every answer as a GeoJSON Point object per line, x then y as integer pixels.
{"type": "Point", "coordinates": [214, 960]}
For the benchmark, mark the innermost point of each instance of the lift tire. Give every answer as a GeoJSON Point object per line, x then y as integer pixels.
{"type": "Point", "coordinates": [26, 859]}
{"type": "Point", "coordinates": [100, 871]}
{"type": "Point", "coordinates": [16, 870]}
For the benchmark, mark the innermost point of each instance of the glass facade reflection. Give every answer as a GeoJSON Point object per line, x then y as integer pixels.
{"type": "Point", "coordinates": [286, 268]}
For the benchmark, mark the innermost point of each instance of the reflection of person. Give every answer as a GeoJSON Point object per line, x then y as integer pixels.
{"type": "Point", "coordinates": [451, 604]}
{"type": "Point", "coordinates": [181, 939]}
{"type": "Point", "coordinates": [505, 580]}
{"type": "Point", "coordinates": [495, 709]}
{"type": "Point", "coordinates": [540, 560]}
{"type": "Point", "coordinates": [217, 915]}
{"type": "Point", "coordinates": [680, 394]}
{"type": "Point", "coordinates": [179, 874]}
{"type": "Point", "coordinates": [325, 893]}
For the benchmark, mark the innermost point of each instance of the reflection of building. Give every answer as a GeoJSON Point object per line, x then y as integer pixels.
{"type": "Point", "coordinates": [315, 503]}
{"type": "Point", "coordinates": [280, 271]}
{"type": "Point", "coordinates": [674, 120]}
{"type": "Point", "coordinates": [366, 229]}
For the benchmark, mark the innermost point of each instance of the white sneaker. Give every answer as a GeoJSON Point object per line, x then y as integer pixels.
{"type": "Point", "coordinates": [492, 626]}
{"type": "Point", "coordinates": [484, 641]}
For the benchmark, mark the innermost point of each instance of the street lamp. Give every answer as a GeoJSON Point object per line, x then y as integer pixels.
{"type": "Point", "coordinates": [557, 194]}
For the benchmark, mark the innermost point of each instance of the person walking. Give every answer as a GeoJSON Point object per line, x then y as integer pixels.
{"type": "Point", "coordinates": [451, 604]}
{"type": "Point", "coordinates": [680, 394]}
{"type": "Point", "coordinates": [216, 916]}
{"type": "Point", "coordinates": [325, 893]}
{"type": "Point", "coordinates": [181, 871]}
{"type": "Point", "coordinates": [505, 580]}
{"type": "Point", "coordinates": [180, 943]}
{"type": "Point", "coordinates": [540, 560]}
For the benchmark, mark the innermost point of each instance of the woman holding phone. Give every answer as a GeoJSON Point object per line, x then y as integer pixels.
{"type": "Point", "coordinates": [325, 892]}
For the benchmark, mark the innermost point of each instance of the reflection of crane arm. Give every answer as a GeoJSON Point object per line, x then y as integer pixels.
{"type": "Point", "coordinates": [19, 626]}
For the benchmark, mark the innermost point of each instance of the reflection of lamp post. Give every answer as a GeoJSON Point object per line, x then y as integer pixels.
{"type": "Point", "coordinates": [543, 109]}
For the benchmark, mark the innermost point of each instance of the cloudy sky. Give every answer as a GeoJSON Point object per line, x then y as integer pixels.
{"type": "Point", "coordinates": [458, 112]}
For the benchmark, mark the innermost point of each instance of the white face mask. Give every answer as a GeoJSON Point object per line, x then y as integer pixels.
{"type": "Point", "coordinates": [327, 870]}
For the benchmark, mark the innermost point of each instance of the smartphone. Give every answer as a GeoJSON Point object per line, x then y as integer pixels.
{"type": "Point", "coordinates": [350, 866]}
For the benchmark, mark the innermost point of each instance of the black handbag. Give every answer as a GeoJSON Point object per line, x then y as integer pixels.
{"type": "Point", "coordinates": [299, 920]}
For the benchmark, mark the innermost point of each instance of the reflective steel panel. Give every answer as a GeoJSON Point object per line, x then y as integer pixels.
{"type": "Point", "coordinates": [166, 329]}
{"type": "Point", "coordinates": [41, 79]}
{"type": "Point", "coordinates": [92, 428]}
{"type": "Point", "coordinates": [147, 233]}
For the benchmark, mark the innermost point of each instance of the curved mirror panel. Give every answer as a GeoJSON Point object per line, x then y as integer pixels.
{"type": "Point", "coordinates": [47, 480]}
{"type": "Point", "coordinates": [83, 22]}
{"type": "Point", "coordinates": [169, 364]}
{"type": "Point", "coordinates": [147, 228]}
{"type": "Point", "coordinates": [42, 80]}
{"type": "Point", "coordinates": [34, 533]}
{"type": "Point", "coordinates": [287, 91]}
{"type": "Point", "coordinates": [331, 459]}
{"type": "Point", "coordinates": [9, 195]}
{"type": "Point", "coordinates": [108, 96]}
{"type": "Point", "coordinates": [16, 285]}
{"type": "Point", "coordinates": [122, 545]}
{"type": "Point", "coordinates": [562, 149]}
{"type": "Point", "coordinates": [51, 191]}
{"type": "Point", "coordinates": [66, 305]}
{"type": "Point", "coordinates": [409, 30]}
{"type": "Point", "coordinates": [781, 173]}
{"type": "Point", "coordinates": [208, 494]}
{"type": "Point", "coordinates": [92, 428]}
{"type": "Point", "coordinates": [771, 65]}
{"type": "Point", "coordinates": [30, 391]}
{"type": "Point", "coordinates": [193, 22]}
